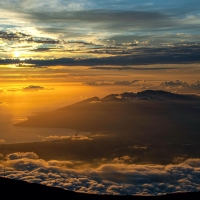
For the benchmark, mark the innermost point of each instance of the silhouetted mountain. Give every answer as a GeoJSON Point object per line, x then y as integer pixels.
{"type": "Point", "coordinates": [177, 113]}
{"type": "Point", "coordinates": [92, 99]}
{"type": "Point", "coordinates": [14, 189]}
{"type": "Point", "coordinates": [128, 95]}
{"type": "Point", "coordinates": [111, 97]}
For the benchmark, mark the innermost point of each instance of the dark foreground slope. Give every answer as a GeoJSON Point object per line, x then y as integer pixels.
{"type": "Point", "coordinates": [14, 189]}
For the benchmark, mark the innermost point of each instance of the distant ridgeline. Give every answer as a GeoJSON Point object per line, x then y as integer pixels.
{"type": "Point", "coordinates": [144, 95]}
{"type": "Point", "coordinates": [151, 95]}
{"type": "Point", "coordinates": [126, 112]}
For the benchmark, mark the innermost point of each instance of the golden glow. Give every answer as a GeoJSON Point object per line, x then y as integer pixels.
{"type": "Point", "coordinates": [16, 54]}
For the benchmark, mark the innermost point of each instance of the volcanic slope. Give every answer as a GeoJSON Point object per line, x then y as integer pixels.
{"type": "Point", "coordinates": [159, 112]}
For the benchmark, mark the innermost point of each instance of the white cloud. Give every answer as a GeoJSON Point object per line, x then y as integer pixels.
{"type": "Point", "coordinates": [100, 82]}
{"type": "Point", "coordinates": [109, 178]}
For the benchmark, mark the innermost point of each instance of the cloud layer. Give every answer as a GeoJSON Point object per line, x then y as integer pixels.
{"type": "Point", "coordinates": [88, 29]}
{"type": "Point", "coordinates": [107, 178]}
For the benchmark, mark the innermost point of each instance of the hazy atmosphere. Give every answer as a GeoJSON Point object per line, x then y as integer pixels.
{"type": "Point", "coordinates": [101, 96]}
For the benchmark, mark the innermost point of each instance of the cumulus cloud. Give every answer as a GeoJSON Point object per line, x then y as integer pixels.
{"type": "Point", "coordinates": [12, 36]}
{"type": "Point", "coordinates": [163, 55]}
{"type": "Point", "coordinates": [194, 86]}
{"type": "Point", "coordinates": [20, 155]}
{"type": "Point", "coordinates": [108, 18]}
{"type": "Point", "coordinates": [82, 42]}
{"type": "Point", "coordinates": [107, 178]}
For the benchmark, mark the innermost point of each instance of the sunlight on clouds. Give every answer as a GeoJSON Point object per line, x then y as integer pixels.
{"type": "Point", "coordinates": [28, 89]}
{"type": "Point", "coordinates": [107, 178]}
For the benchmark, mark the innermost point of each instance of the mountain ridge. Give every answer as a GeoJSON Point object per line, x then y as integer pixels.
{"type": "Point", "coordinates": [123, 112]}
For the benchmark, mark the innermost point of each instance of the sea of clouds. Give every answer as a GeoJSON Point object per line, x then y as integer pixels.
{"type": "Point", "coordinates": [107, 178]}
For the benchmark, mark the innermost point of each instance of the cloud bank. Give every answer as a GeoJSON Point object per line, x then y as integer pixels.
{"type": "Point", "coordinates": [107, 178]}
{"type": "Point", "coordinates": [88, 29]}
{"type": "Point", "coordinates": [182, 85]}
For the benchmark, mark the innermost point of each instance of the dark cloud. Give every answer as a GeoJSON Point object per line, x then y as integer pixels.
{"type": "Point", "coordinates": [182, 85]}
{"type": "Point", "coordinates": [82, 42]}
{"type": "Point", "coordinates": [108, 16]}
{"type": "Point", "coordinates": [130, 68]}
{"type": "Point", "coordinates": [100, 83]}
{"type": "Point", "coordinates": [115, 177]}
{"type": "Point", "coordinates": [109, 20]}
{"type": "Point", "coordinates": [22, 37]}
{"type": "Point", "coordinates": [181, 54]}
{"type": "Point", "coordinates": [43, 49]}
{"type": "Point", "coordinates": [176, 83]}
{"type": "Point", "coordinates": [32, 88]}
{"type": "Point", "coordinates": [13, 36]}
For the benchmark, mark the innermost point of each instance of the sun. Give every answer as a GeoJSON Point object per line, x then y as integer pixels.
{"type": "Point", "coordinates": [16, 54]}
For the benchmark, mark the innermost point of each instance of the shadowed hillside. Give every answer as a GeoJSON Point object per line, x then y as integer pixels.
{"type": "Point", "coordinates": [158, 112]}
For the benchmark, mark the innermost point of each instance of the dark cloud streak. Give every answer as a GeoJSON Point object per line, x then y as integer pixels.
{"type": "Point", "coordinates": [146, 57]}
{"type": "Point", "coordinates": [19, 36]}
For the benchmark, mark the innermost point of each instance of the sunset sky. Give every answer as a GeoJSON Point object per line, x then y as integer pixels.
{"type": "Point", "coordinates": [58, 52]}
{"type": "Point", "coordinates": [142, 44]}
